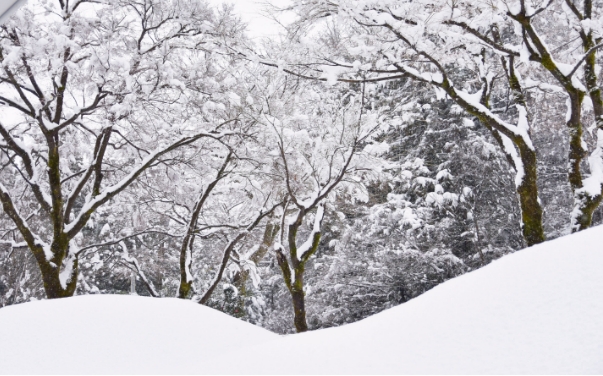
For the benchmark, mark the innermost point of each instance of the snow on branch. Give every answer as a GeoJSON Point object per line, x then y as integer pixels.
{"type": "Point", "coordinates": [308, 248]}
{"type": "Point", "coordinates": [119, 240]}
{"type": "Point", "coordinates": [583, 59]}
{"type": "Point", "coordinates": [37, 246]}
{"type": "Point", "coordinates": [133, 264]}
{"type": "Point", "coordinates": [32, 174]}
{"type": "Point", "coordinates": [502, 126]}
{"type": "Point", "coordinates": [89, 207]}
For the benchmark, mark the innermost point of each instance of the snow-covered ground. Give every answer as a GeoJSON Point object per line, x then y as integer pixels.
{"type": "Point", "coordinates": [539, 310]}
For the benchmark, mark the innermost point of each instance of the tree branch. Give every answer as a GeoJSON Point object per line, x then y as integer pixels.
{"type": "Point", "coordinates": [73, 228]}
{"type": "Point", "coordinates": [228, 250]}
{"type": "Point", "coordinates": [29, 168]}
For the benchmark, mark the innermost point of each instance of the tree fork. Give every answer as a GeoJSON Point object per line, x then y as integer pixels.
{"type": "Point", "coordinates": [51, 271]}
{"type": "Point", "coordinates": [52, 281]}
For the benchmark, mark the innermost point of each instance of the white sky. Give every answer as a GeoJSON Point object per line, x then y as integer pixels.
{"type": "Point", "coordinates": [8, 7]}
{"type": "Point", "coordinates": [5, 4]}
{"type": "Point", "coordinates": [251, 12]}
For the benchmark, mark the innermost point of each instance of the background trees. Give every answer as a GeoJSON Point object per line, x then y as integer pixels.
{"type": "Point", "coordinates": [439, 43]}
{"type": "Point", "coordinates": [380, 149]}
{"type": "Point", "coordinates": [79, 81]}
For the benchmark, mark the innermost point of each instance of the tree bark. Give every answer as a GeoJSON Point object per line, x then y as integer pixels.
{"type": "Point", "coordinates": [588, 203]}
{"type": "Point", "coordinates": [228, 251]}
{"type": "Point", "coordinates": [297, 263]}
{"type": "Point", "coordinates": [585, 202]}
{"type": "Point", "coordinates": [51, 274]}
{"type": "Point", "coordinates": [299, 309]}
{"type": "Point", "coordinates": [531, 210]}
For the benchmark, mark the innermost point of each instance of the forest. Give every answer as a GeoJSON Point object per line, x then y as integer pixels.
{"type": "Point", "coordinates": [374, 150]}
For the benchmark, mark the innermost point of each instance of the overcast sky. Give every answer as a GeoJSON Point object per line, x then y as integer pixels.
{"type": "Point", "coordinates": [251, 12]}
{"type": "Point", "coordinates": [8, 7]}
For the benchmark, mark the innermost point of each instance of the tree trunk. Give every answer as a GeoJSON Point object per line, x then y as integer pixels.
{"type": "Point", "coordinates": [584, 204]}
{"type": "Point", "coordinates": [298, 297]}
{"type": "Point", "coordinates": [240, 279]}
{"type": "Point", "coordinates": [51, 275]}
{"type": "Point", "coordinates": [186, 281]}
{"type": "Point", "coordinates": [587, 204]}
{"type": "Point", "coordinates": [531, 210]}
{"type": "Point", "coordinates": [296, 289]}
{"type": "Point", "coordinates": [527, 189]}
{"type": "Point", "coordinates": [269, 234]}
{"type": "Point", "coordinates": [52, 284]}
{"type": "Point", "coordinates": [299, 309]}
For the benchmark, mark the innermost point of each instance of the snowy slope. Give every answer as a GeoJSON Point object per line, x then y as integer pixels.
{"type": "Point", "coordinates": [117, 333]}
{"type": "Point", "coordinates": [536, 311]}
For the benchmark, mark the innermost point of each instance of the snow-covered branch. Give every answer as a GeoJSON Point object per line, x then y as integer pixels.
{"type": "Point", "coordinates": [202, 299]}
{"type": "Point", "coordinates": [186, 248]}
{"type": "Point", "coordinates": [74, 227]}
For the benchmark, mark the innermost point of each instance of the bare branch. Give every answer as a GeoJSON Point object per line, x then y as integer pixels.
{"type": "Point", "coordinates": [590, 51]}
{"type": "Point", "coordinates": [74, 227]}
{"type": "Point", "coordinates": [29, 167]}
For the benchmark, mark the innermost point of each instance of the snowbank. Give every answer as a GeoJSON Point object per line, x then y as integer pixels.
{"type": "Point", "coordinates": [536, 311]}
{"type": "Point", "coordinates": [118, 334]}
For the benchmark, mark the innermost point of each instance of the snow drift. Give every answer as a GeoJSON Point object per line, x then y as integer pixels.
{"type": "Point", "coordinates": [539, 310]}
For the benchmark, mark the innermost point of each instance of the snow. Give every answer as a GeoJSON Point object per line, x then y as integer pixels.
{"type": "Point", "coordinates": [377, 148]}
{"type": "Point", "coordinates": [331, 73]}
{"type": "Point", "coordinates": [510, 150]}
{"type": "Point", "coordinates": [592, 185]}
{"type": "Point", "coordinates": [118, 333]}
{"type": "Point", "coordinates": [522, 127]}
{"type": "Point", "coordinates": [538, 310]}
{"type": "Point", "coordinates": [318, 217]}
{"type": "Point", "coordinates": [66, 273]}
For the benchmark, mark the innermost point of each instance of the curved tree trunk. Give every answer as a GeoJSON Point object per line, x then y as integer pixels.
{"type": "Point", "coordinates": [522, 156]}
{"type": "Point", "coordinates": [186, 248]}
{"type": "Point", "coordinates": [589, 203]}
{"type": "Point", "coordinates": [228, 250]}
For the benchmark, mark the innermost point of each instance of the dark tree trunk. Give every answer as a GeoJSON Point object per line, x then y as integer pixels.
{"type": "Point", "coordinates": [51, 271]}
{"type": "Point", "coordinates": [299, 309]}
{"type": "Point", "coordinates": [52, 283]}
{"type": "Point", "coordinates": [588, 203]}
{"type": "Point", "coordinates": [531, 210]}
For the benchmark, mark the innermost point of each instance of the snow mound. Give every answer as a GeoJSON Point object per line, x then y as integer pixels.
{"type": "Point", "coordinates": [118, 334]}
{"type": "Point", "coordinates": [539, 310]}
